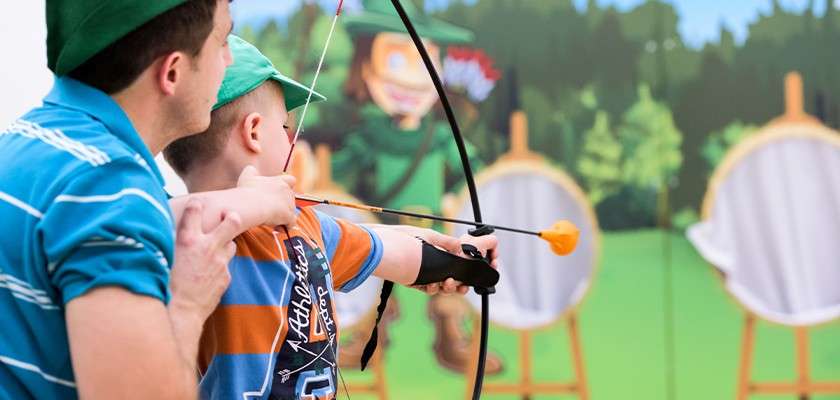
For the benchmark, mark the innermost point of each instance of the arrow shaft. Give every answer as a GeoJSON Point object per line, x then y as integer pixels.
{"type": "Point", "coordinates": [382, 210]}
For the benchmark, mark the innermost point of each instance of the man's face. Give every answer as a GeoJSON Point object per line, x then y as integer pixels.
{"type": "Point", "coordinates": [201, 84]}
{"type": "Point", "coordinates": [397, 78]}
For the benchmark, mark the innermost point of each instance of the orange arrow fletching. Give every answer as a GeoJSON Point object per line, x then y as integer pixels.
{"type": "Point", "coordinates": [303, 200]}
{"type": "Point", "coordinates": [562, 236]}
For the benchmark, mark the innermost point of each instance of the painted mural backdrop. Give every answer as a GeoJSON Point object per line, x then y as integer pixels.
{"type": "Point", "coordinates": [637, 100]}
{"type": "Point", "coordinates": [615, 97]}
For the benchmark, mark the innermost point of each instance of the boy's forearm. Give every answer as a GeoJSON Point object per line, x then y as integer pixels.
{"type": "Point", "coordinates": [240, 200]}
{"type": "Point", "coordinates": [401, 255]}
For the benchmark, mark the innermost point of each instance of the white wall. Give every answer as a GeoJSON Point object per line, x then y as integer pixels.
{"type": "Point", "coordinates": [24, 77]}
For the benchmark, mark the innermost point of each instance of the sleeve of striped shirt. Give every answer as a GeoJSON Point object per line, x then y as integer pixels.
{"type": "Point", "coordinates": [353, 250]}
{"type": "Point", "coordinates": [110, 226]}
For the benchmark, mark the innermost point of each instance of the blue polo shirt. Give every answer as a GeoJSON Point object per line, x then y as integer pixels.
{"type": "Point", "coordinates": [81, 206]}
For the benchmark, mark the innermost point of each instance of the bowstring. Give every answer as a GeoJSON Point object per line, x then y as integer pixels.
{"type": "Point", "coordinates": [298, 131]}
{"type": "Point", "coordinates": [299, 128]}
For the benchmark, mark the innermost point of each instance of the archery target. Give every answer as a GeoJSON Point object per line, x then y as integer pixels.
{"type": "Point", "coordinates": [536, 287]}
{"type": "Point", "coordinates": [772, 221]}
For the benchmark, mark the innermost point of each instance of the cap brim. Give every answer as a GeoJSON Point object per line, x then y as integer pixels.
{"type": "Point", "coordinates": [295, 92]}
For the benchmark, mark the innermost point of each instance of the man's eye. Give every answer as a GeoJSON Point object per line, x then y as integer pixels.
{"type": "Point", "coordinates": [285, 126]}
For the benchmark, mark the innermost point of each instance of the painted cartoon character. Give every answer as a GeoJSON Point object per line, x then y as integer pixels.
{"type": "Point", "coordinates": [399, 154]}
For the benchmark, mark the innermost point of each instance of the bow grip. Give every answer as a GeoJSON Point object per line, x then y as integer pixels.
{"type": "Point", "coordinates": [470, 250]}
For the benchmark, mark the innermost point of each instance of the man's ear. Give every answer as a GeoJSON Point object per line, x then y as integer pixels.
{"type": "Point", "coordinates": [169, 72]}
{"type": "Point", "coordinates": [249, 132]}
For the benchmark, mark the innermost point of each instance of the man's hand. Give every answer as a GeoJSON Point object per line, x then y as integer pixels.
{"type": "Point", "coordinates": [200, 274]}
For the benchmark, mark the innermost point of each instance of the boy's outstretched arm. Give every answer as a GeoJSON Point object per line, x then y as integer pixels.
{"type": "Point", "coordinates": [403, 251]}
{"type": "Point", "coordinates": [257, 199]}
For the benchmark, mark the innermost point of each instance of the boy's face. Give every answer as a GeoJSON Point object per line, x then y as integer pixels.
{"type": "Point", "coordinates": [275, 135]}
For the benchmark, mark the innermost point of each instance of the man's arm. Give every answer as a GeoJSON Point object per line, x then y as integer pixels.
{"type": "Point", "coordinates": [124, 347]}
{"type": "Point", "coordinates": [129, 346]}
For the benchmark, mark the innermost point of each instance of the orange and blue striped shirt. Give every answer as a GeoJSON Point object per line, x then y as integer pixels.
{"type": "Point", "coordinates": [275, 334]}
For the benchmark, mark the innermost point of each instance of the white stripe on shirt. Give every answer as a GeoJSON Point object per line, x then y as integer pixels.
{"type": "Point", "coordinates": [26, 292]}
{"type": "Point", "coordinates": [59, 140]}
{"type": "Point", "coordinates": [119, 241]}
{"type": "Point", "coordinates": [34, 368]}
{"type": "Point", "coordinates": [66, 198]}
{"type": "Point", "coordinates": [21, 205]}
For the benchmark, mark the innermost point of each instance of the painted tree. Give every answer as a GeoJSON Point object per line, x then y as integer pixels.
{"type": "Point", "coordinates": [651, 143]}
{"type": "Point", "coordinates": [600, 163]}
{"type": "Point", "coordinates": [719, 142]}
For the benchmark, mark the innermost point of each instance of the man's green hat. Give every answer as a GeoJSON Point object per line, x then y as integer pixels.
{"type": "Point", "coordinates": [380, 16]}
{"type": "Point", "coordinates": [250, 69]}
{"type": "Point", "coordinates": [79, 29]}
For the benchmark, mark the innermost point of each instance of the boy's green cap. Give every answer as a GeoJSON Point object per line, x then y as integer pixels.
{"type": "Point", "coordinates": [380, 16]}
{"type": "Point", "coordinates": [250, 69]}
{"type": "Point", "coordinates": [79, 29]}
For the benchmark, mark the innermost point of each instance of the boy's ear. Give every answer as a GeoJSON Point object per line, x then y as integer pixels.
{"type": "Point", "coordinates": [250, 132]}
{"type": "Point", "coordinates": [169, 72]}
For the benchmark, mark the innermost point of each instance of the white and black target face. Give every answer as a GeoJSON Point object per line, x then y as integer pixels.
{"type": "Point", "coordinates": [354, 306]}
{"type": "Point", "coordinates": [536, 287]}
{"type": "Point", "coordinates": [773, 224]}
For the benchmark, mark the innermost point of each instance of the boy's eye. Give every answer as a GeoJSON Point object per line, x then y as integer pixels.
{"type": "Point", "coordinates": [289, 133]}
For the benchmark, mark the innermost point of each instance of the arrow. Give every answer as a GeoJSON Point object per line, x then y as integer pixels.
{"type": "Point", "coordinates": [562, 236]}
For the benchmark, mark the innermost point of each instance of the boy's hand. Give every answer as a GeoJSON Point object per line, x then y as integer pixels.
{"type": "Point", "coordinates": [200, 273]}
{"type": "Point", "coordinates": [272, 195]}
{"type": "Point", "coordinates": [452, 245]}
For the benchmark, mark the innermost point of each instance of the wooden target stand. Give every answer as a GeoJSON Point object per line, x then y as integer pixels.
{"type": "Point", "coordinates": [520, 158]}
{"type": "Point", "coordinates": [777, 129]}
{"type": "Point", "coordinates": [322, 185]}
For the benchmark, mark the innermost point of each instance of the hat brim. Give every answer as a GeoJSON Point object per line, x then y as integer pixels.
{"type": "Point", "coordinates": [429, 28]}
{"type": "Point", "coordinates": [295, 92]}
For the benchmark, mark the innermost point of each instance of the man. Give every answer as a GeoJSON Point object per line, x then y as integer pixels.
{"type": "Point", "coordinates": [90, 307]}
{"type": "Point", "coordinates": [275, 331]}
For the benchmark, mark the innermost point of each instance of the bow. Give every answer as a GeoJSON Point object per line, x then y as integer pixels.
{"type": "Point", "coordinates": [480, 229]}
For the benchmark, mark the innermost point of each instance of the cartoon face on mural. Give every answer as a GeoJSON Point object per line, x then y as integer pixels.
{"type": "Point", "coordinates": [397, 80]}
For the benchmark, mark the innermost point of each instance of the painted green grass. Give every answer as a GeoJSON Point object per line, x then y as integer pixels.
{"type": "Point", "coordinates": [621, 323]}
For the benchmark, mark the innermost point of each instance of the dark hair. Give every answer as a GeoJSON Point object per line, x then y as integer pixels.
{"type": "Point", "coordinates": [182, 28]}
{"type": "Point", "coordinates": [354, 86]}
{"type": "Point", "coordinates": [186, 152]}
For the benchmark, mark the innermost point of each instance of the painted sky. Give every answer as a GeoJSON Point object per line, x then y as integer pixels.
{"type": "Point", "coordinates": [700, 20]}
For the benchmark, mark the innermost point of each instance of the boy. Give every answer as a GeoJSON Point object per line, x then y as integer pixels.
{"type": "Point", "coordinates": [275, 332]}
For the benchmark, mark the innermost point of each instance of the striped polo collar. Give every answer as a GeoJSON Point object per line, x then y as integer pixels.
{"type": "Point", "coordinates": [70, 93]}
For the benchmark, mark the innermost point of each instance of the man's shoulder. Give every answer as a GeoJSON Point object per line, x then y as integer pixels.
{"type": "Point", "coordinates": [68, 136]}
